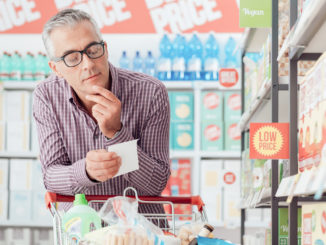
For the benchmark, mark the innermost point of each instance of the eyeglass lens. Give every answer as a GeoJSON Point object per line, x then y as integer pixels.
{"type": "Point", "coordinates": [94, 51]}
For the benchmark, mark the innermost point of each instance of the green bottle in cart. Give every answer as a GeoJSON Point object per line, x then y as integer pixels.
{"type": "Point", "coordinates": [80, 219]}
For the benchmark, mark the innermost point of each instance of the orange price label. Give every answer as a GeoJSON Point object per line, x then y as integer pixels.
{"type": "Point", "coordinates": [269, 141]}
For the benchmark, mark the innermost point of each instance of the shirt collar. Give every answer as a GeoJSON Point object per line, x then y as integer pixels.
{"type": "Point", "coordinates": [114, 86]}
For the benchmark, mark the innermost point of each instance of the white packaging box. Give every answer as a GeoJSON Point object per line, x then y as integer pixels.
{"type": "Point", "coordinates": [3, 205]}
{"type": "Point", "coordinates": [34, 139]}
{"type": "Point", "coordinates": [2, 136]}
{"type": "Point", "coordinates": [210, 189]}
{"type": "Point", "coordinates": [20, 206]}
{"type": "Point", "coordinates": [231, 176]}
{"type": "Point", "coordinates": [38, 184]}
{"type": "Point", "coordinates": [4, 174]}
{"type": "Point", "coordinates": [19, 236]}
{"type": "Point", "coordinates": [40, 213]}
{"type": "Point", "coordinates": [18, 105]}
{"type": "Point", "coordinates": [3, 236]}
{"type": "Point", "coordinates": [43, 237]}
{"type": "Point", "coordinates": [231, 193]}
{"type": "Point", "coordinates": [2, 106]}
{"type": "Point", "coordinates": [17, 136]}
{"type": "Point", "coordinates": [21, 174]}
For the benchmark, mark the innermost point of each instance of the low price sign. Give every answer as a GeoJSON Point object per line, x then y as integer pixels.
{"type": "Point", "coordinates": [269, 141]}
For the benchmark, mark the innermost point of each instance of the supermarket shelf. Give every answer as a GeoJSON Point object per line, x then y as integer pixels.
{"type": "Point", "coordinates": [308, 34]}
{"type": "Point", "coordinates": [221, 154]}
{"type": "Point", "coordinates": [201, 85]}
{"type": "Point", "coordinates": [182, 154]}
{"type": "Point", "coordinates": [205, 154]}
{"type": "Point", "coordinates": [31, 85]}
{"type": "Point", "coordinates": [32, 155]}
{"type": "Point", "coordinates": [28, 224]}
{"type": "Point", "coordinates": [261, 107]}
{"type": "Point", "coordinates": [18, 85]}
{"type": "Point", "coordinates": [254, 38]}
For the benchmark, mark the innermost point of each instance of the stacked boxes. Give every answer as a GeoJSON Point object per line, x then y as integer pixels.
{"type": "Point", "coordinates": [211, 121]}
{"type": "Point", "coordinates": [211, 189]}
{"type": "Point", "coordinates": [179, 184]}
{"type": "Point", "coordinates": [3, 189]}
{"type": "Point", "coordinates": [21, 179]}
{"type": "Point", "coordinates": [232, 114]}
{"type": "Point", "coordinates": [220, 190]}
{"type": "Point", "coordinates": [182, 120]}
{"type": "Point", "coordinates": [18, 115]}
{"type": "Point", "coordinates": [2, 123]}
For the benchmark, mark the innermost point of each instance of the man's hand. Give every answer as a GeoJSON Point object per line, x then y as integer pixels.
{"type": "Point", "coordinates": [106, 111]}
{"type": "Point", "coordinates": [102, 165]}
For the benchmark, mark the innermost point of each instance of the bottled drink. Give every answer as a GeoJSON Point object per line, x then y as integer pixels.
{"type": "Point", "coordinates": [17, 66]}
{"type": "Point", "coordinates": [29, 67]}
{"type": "Point", "coordinates": [195, 62]}
{"type": "Point", "coordinates": [164, 65]}
{"type": "Point", "coordinates": [124, 61]}
{"type": "Point", "coordinates": [5, 66]}
{"type": "Point", "coordinates": [150, 64]}
{"type": "Point", "coordinates": [229, 53]}
{"type": "Point", "coordinates": [178, 62]}
{"type": "Point", "coordinates": [47, 69]}
{"type": "Point", "coordinates": [211, 63]}
{"type": "Point", "coordinates": [204, 232]}
{"type": "Point", "coordinates": [40, 70]}
{"type": "Point", "coordinates": [137, 63]}
{"type": "Point", "coordinates": [80, 219]}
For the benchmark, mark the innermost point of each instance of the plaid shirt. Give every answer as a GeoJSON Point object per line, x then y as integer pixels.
{"type": "Point", "coordinates": [66, 132]}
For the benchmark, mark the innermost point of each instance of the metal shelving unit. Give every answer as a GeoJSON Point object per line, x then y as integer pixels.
{"type": "Point", "coordinates": [271, 93]}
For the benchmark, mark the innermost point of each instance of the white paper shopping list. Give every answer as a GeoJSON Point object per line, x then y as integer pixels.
{"type": "Point", "coordinates": [129, 156]}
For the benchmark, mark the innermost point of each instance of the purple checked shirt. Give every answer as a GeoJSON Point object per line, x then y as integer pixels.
{"type": "Point", "coordinates": [66, 133]}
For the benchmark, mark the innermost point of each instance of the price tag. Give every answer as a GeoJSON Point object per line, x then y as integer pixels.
{"type": "Point", "coordinates": [228, 77]}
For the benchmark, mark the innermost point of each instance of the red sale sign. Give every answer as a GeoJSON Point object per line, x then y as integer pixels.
{"type": "Point", "coordinates": [126, 16]}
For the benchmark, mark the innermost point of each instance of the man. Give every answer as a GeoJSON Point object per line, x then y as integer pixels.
{"type": "Point", "coordinates": [89, 105]}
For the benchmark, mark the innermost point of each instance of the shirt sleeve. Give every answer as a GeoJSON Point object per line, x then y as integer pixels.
{"type": "Point", "coordinates": [59, 174]}
{"type": "Point", "coordinates": [153, 147]}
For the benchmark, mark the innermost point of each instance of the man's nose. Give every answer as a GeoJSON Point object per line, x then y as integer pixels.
{"type": "Point", "coordinates": [87, 62]}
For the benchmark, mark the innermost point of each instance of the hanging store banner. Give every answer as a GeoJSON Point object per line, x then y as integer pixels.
{"type": "Point", "coordinates": [269, 141]}
{"type": "Point", "coordinates": [126, 16]}
{"type": "Point", "coordinates": [255, 13]}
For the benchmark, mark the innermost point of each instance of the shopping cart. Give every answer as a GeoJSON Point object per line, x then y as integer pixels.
{"type": "Point", "coordinates": [175, 220]}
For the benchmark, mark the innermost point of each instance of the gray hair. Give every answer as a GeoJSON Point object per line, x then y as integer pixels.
{"type": "Point", "coordinates": [66, 17]}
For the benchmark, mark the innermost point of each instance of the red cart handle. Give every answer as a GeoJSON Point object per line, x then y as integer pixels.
{"type": "Point", "coordinates": [51, 197]}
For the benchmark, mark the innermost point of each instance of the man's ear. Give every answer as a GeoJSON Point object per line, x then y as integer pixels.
{"type": "Point", "coordinates": [53, 67]}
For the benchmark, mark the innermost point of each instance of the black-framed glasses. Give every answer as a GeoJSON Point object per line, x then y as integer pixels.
{"type": "Point", "coordinates": [93, 51]}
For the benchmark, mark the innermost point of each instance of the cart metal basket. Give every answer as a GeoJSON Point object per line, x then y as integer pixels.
{"type": "Point", "coordinates": [175, 220]}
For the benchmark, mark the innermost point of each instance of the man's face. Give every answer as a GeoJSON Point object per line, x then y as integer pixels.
{"type": "Point", "coordinates": [90, 71]}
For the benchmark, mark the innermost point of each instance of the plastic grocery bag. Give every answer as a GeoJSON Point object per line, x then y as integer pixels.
{"type": "Point", "coordinates": [126, 225]}
{"type": "Point", "coordinates": [123, 211]}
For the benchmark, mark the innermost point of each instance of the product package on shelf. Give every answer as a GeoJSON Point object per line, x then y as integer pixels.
{"type": "Point", "coordinates": [283, 226]}
{"type": "Point", "coordinates": [179, 184]}
{"type": "Point", "coordinates": [312, 117]}
{"type": "Point", "coordinates": [211, 189]}
{"type": "Point", "coordinates": [314, 223]}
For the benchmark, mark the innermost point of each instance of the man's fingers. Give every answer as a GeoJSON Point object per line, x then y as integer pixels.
{"type": "Point", "coordinates": [105, 164]}
{"type": "Point", "coordinates": [100, 109]}
{"type": "Point", "coordinates": [100, 155]}
{"type": "Point", "coordinates": [99, 99]}
{"type": "Point", "coordinates": [105, 93]}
